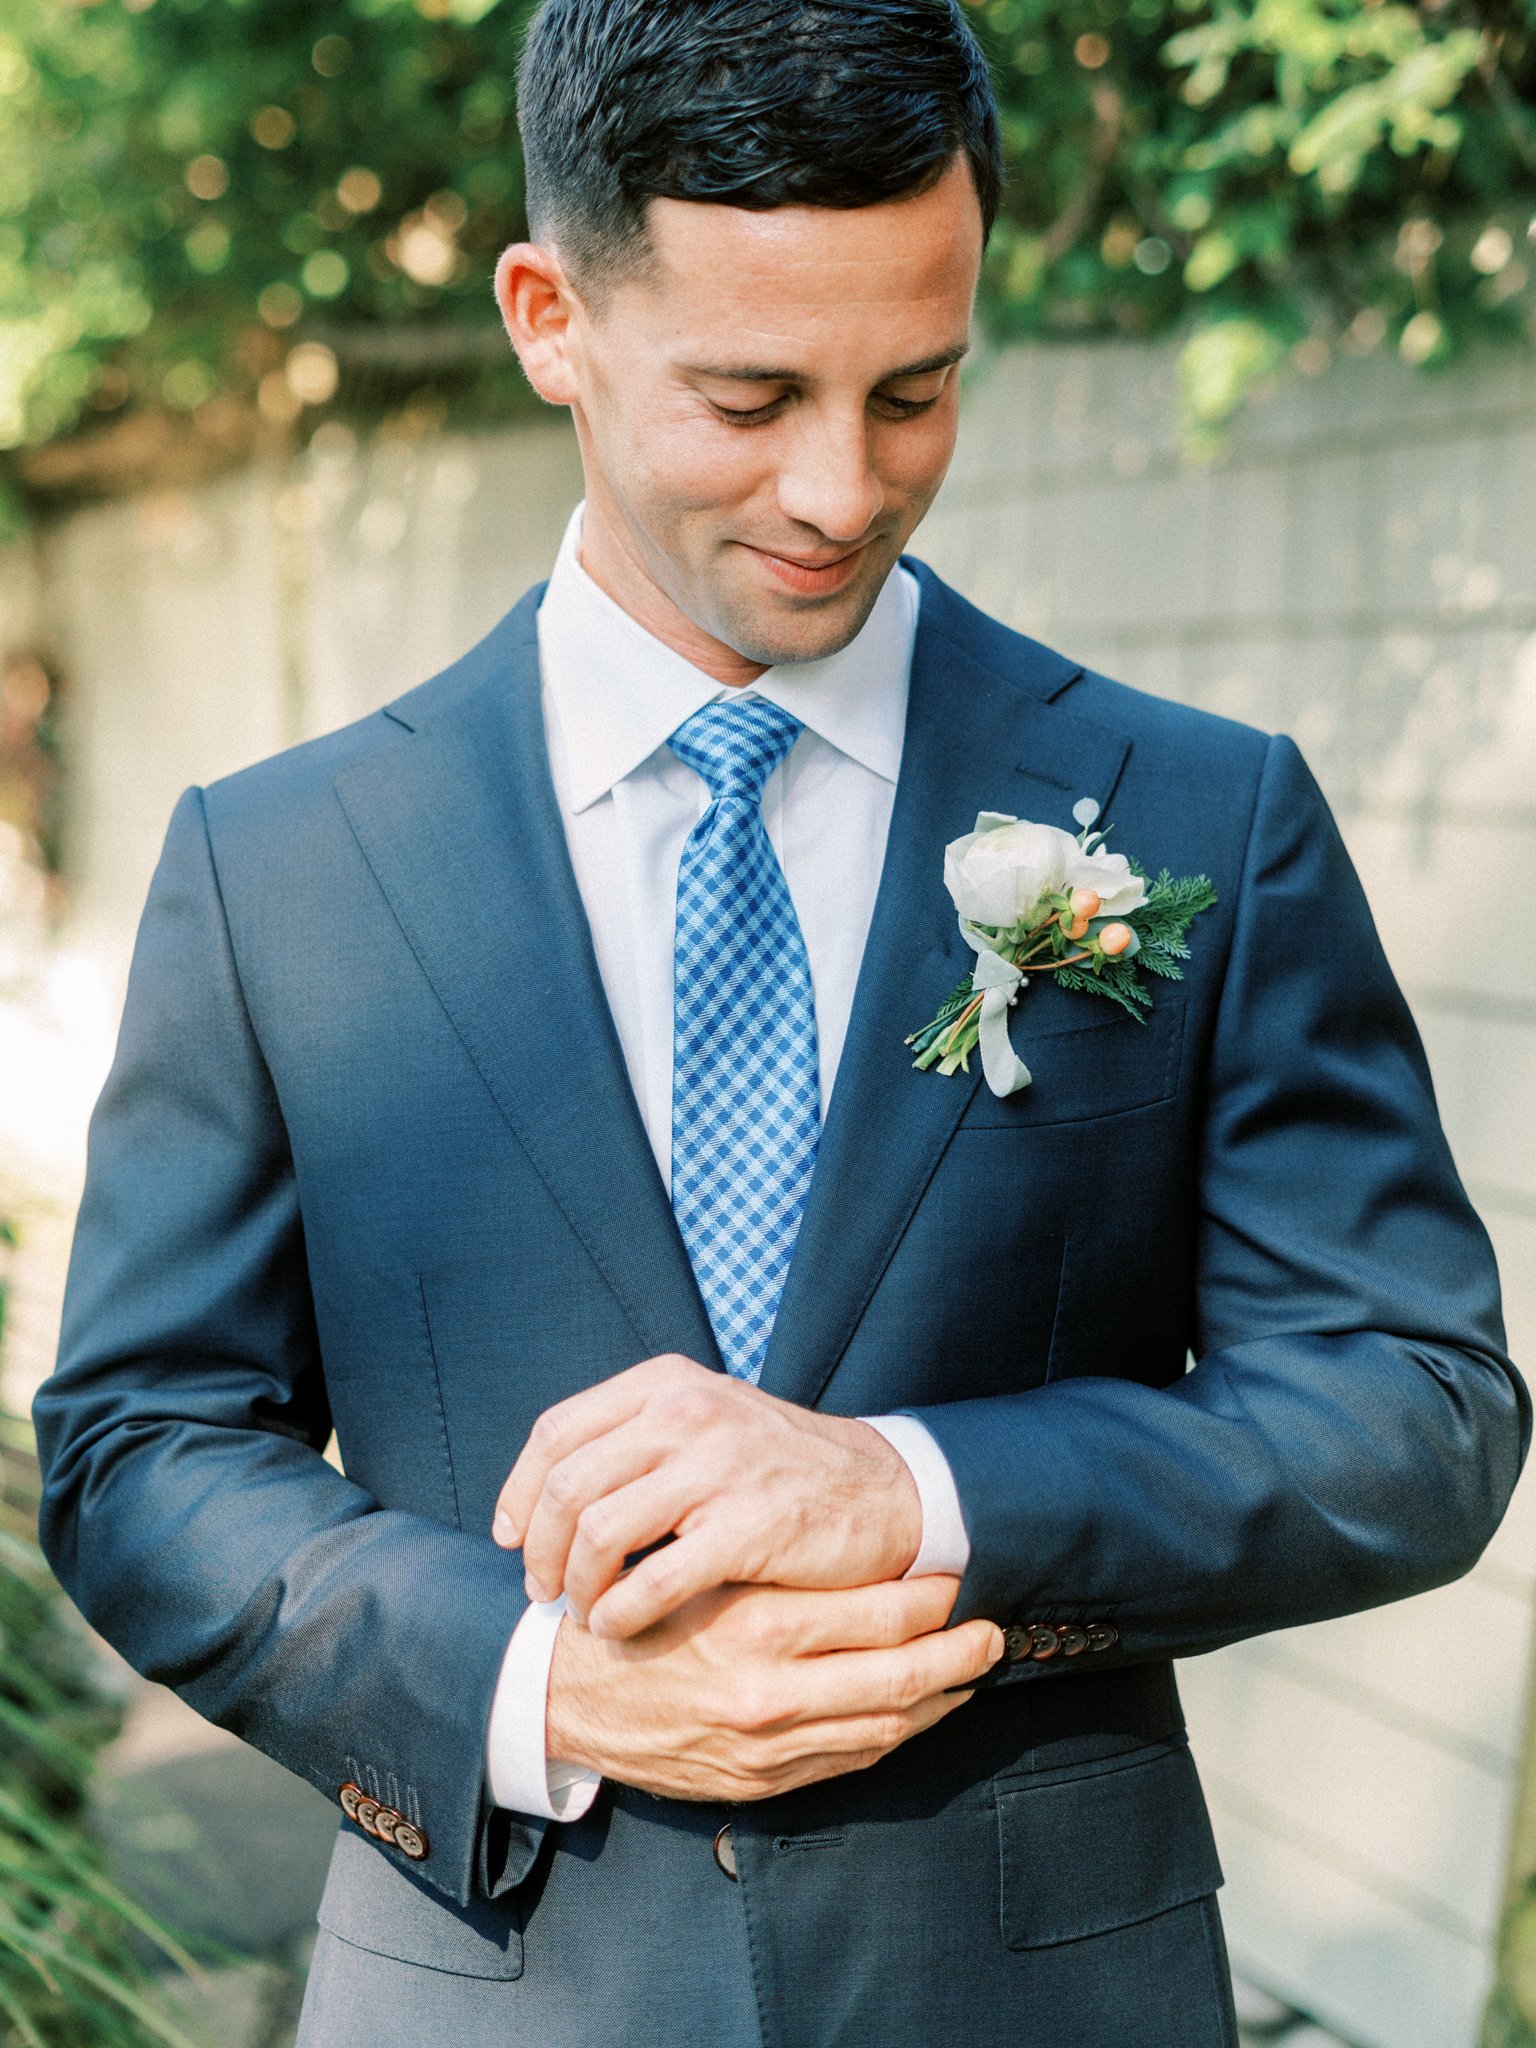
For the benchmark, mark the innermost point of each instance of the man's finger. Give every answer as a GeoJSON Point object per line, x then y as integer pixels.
{"type": "Point", "coordinates": [568, 1425]}
{"type": "Point", "coordinates": [669, 1578]}
{"type": "Point", "coordinates": [834, 1748]}
{"type": "Point", "coordinates": [613, 1528]}
{"type": "Point", "coordinates": [866, 1732]}
{"type": "Point", "coordinates": [856, 1618]}
{"type": "Point", "coordinates": [578, 1486]}
{"type": "Point", "coordinates": [852, 1684]}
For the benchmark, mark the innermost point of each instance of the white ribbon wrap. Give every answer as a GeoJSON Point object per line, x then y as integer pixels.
{"type": "Point", "coordinates": [997, 981]}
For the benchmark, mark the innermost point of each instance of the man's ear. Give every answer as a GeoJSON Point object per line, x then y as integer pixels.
{"type": "Point", "coordinates": [540, 311]}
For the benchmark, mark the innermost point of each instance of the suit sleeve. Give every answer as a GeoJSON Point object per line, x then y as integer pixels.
{"type": "Point", "coordinates": [1352, 1428]}
{"type": "Point", "coordinates": [187, 1506]}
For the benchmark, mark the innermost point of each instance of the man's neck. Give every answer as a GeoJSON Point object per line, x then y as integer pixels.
{"type": "Point", "coordinates": [610, 561]}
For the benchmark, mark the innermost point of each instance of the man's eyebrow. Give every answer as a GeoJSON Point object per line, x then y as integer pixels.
{"type": "Point", "coordinates": [755, 373]}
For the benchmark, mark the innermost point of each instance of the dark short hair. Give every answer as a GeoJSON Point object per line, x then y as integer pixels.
{"type": "Point", "coordinates": [753, 103]}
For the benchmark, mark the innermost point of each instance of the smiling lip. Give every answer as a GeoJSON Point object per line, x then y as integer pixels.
{"type": "Point", "coordinates": [810, 579]}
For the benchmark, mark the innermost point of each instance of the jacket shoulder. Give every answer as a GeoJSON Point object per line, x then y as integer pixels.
{"type": "Point", "coordinates": [1150, 722]}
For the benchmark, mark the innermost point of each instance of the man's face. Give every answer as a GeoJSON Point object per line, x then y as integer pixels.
{"type": "Point", "coordinates": [768, 411]}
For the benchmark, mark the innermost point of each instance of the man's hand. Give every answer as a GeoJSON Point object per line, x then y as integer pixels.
{"type": "Point", "coordinates": [753, 1690]}
{"type": "Point", "coordinates": [756, 1490]}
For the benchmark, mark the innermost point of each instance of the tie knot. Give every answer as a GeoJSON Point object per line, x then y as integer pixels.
{"type": "Point", "coordinates": [736, 744]}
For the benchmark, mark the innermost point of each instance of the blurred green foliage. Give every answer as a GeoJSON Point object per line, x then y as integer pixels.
{"type": "Point", "coordinates": [1282, 177]}
{"type": "Point", "coordinates": [233, 217]}
{"type": "Point", "coordinates": [76, 1953]}
{"type": "Point", "coordinates": [1510, 2021]}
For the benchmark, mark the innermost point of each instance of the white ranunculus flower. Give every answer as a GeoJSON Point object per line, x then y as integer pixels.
{"type": "Point", "coordinates": [1000, 874]}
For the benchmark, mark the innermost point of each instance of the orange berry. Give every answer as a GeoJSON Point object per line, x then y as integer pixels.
{"type": "Point", "coordinates": [1078, 928]}
{"type": "Point", "coordinates": [1114, 939]}
{"type": "Point", "coordinates": [1086, 902]}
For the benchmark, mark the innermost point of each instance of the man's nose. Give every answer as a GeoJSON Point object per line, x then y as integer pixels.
{"type": "Point", "coordinates": [829, 482]}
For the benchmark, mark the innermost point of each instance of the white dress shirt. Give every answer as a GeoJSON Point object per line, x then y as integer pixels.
{"type": "Point", "coordinates": [612, 695]}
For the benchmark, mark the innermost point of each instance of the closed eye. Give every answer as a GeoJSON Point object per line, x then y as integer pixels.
{"type": "Point", "coordinates": [760, 415]}
{"type": "Point", "coordinates": [751, 416]}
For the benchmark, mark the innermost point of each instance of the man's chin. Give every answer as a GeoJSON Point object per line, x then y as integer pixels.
{"type": "Point", "coordinates": [777, 630]}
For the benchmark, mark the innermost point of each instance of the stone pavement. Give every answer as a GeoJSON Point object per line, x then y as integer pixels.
{"type": "Point", "coordinates": [231, 1850]}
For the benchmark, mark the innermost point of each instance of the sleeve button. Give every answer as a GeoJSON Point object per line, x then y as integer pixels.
{"type": "Point", "coordinates": [410, 1841]}
{"type": "Point", "coordinates": [1102, 1637]}
{"type": "Point", "coordinates": [1073, 1641]}
{"type": "Point", "coordinates": [349, 1798]}
{"type": "Point", "coordinates": [1015, 1643]}
{"type": "Point", "coordinates": [1043, 1642]}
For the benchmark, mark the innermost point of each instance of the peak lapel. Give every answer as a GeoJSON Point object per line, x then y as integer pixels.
{"type": "Point", "coordinates": [461, 827]}
{"type": "Point", "coordinates": [981, 734]}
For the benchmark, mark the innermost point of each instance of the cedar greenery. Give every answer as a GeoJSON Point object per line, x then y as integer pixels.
{"type": "Point", "coordinates": [1161, 924]}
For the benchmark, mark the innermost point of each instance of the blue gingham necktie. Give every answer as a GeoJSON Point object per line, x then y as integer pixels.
{"type": "Point", "coordinates": [746, 1096]}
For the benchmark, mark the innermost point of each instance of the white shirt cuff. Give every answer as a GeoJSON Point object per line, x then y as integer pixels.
{"type": "Point", "coordinates": [518, 1770]}
{"type": "Point", "coordinates": [945, 1547]}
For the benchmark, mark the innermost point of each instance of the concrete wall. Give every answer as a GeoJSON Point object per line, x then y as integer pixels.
{"type": "Point", "coordinates": [1360, 572]}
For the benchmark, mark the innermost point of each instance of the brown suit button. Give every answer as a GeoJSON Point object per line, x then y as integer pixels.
{"type": "Point", "coordinates": [1073, 1641]}
{"type": "Point", "coordinates": [725, 1853]}
{"type": "Point", "coordinates": [349, 1796]}
{"type": "Point", "coordinates": [1102, 1637]}
{"type": "Point", "coordinates": [1043, 1642]}
{"type": "Point", "coordinates": [410, 1840]}
{"type": "Point", "coordinates": [1015, 1644]}
{"type": "Point", "coordinates": [385, 1821]}
{"type": "Point", "coordinates": [367, 1816]}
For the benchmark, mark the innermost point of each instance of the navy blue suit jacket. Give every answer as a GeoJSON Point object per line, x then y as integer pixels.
{"type": "Point", "coordinates": [368, 1158]}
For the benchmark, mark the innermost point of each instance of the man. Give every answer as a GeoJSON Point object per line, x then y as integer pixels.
{"type": "Point", "coordinates": [773, 1490]}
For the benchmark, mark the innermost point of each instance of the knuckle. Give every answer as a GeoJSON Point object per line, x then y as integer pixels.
{"type": "Point", "coordinates": [564, 1486]}
{"type": "Point", "coordinates": [902, 1688]}
{"type": "Point", "coordinates": [763, 1629]}
{"type": "Point", "coordinates": [595, 1525]}
{"type": "Point", "coordinates": [754, 1707]}
{"type": "Point", "coordinates": [660, 1577]}
{"type": "Point", "coordinates": [687, 1408]}
{"type": "Point", "coordinates": [548, 1433]}
{"type": "Point", "coordinates": [888, 1730]}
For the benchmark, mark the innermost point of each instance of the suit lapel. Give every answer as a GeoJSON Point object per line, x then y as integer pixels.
{"type": "Point", "coordinates": [462, 829]}
{"type": "Point", "coordinates": [981, 734]}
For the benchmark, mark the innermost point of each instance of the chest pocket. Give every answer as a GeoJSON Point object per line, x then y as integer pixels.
{"type": "Point", "coordinates": [1087, 1057]}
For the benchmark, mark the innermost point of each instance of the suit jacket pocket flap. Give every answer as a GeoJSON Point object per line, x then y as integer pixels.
{"type": "Point", "coordinates": [373, 1905]}
{"type": "Point", "coordinates": [1087, 1058]}
{"type": "Point", "coordinates": [1103, 1849]}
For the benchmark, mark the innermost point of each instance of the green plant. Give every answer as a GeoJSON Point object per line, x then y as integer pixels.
{"type": "Point", "coordinates": [226, 220]}
{"type": "Point", "coordinates": [1511, 2016]}
{"type": "Point", "coordinates": [1280, 177]}
{"type": "Point", "coordinates": [75, 1952]}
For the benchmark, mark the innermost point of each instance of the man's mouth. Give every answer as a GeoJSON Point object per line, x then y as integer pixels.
{"type": "Point", "coordinates": [811, 575]}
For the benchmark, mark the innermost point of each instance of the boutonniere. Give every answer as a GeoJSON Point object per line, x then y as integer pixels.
{"type": "Point", "coordinates": [1034, 900]}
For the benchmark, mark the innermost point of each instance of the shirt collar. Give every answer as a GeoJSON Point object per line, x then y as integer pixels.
{"type": "Point", "coordinates": [619, 692]}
